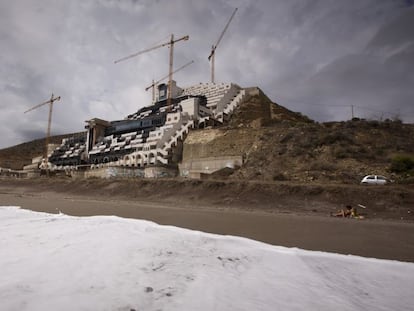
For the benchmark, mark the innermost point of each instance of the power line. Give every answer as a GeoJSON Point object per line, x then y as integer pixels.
{"type": "Point", "coordinates": [359, 107]}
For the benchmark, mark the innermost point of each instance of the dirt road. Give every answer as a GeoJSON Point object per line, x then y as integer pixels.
{"type": "Point", "coordinates": [387, 239]}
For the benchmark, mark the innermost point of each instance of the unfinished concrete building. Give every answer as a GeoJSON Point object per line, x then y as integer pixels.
{"type": "Point", "coordinates": [152, 136]}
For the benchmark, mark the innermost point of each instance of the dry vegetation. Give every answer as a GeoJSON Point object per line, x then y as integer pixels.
{"type": "Point", "coordinates": [342, 152]}
{"type": "Point", "coordinates": [392, 202]}
{"type": "Point", "coordinates": [16, 157]}
{"type": "Point", "coordinates": [281, 145]}
{"type": "Point", "coordinates": [286, 146]}
{"type": "Point", "coordinates": [292, 164]}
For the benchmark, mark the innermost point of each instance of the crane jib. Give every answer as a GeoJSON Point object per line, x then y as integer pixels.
{"type": "Point", "coordinates": [185, 38]}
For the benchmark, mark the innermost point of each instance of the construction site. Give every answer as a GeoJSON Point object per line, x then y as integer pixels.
{"type": "Point", "coordinates": [148, 142]}
{"type": "Point", "coordinates": [234, 138]}
{"type": "Point", "coordinates": [210, 183]}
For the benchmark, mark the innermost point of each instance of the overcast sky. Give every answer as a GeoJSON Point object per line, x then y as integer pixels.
{"type": "Point", "coordinates": [317, 57]}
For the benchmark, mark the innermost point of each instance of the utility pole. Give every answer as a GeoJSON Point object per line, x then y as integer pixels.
{"type": "Point", "coordinates": [50, 102]}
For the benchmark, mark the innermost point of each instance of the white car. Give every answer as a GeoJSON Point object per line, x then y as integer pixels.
{"type": "Point", "coordinates": [374, 180]}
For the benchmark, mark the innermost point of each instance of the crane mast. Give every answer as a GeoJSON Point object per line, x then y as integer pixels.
{"type": "Point", "coordinates": [171, 45]}
{"type": "Point", "coordinates": [170, 74]}
{"type": "Point", "coordinates": [211, 57]}
{"type": "Point", "coordinates": [154, 83]}
{"type": "Point", "coordinates": [49, 123]}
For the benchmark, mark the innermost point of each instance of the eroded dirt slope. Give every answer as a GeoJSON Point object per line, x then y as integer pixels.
{"type": "Point", "coordinates": [281, 145]}
{"type": "Point", "coordinates": [384, 202]}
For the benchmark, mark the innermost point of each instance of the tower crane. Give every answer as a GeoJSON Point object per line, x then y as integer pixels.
{"type": "Point", "coordinates": [171, 46]}
{"type": "Point", "coordinates": [50, 102]}
{"type": "Point", "coordinates": [154, 83]}
{"type": "Point", "coordinates": [214, 47]}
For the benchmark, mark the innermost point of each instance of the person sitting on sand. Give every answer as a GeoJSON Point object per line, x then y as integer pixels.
{"type": "Point", "coordinates": [349, 211]}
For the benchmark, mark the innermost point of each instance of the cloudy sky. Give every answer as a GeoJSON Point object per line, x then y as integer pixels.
{"type": "Point", "coordinates": [318, 57]}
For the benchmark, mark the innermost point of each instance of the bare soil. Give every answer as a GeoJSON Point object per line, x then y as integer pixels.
{"type": "Point", "coordinates": [390, 202]}
{"type": "Point", "coordinates": [283, 214]}
{"type": "Point", "coordinates": [295, 174]}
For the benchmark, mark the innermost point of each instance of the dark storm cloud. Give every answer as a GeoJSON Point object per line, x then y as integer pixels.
{"type": "Point", "coordinates": [397, 32]}
{"type": "Point", "coordinates": [368, 65]}
{"type": "Point", "coordinates": [318, 57]}
{"type": "Point", "coordinates": [377, 80]}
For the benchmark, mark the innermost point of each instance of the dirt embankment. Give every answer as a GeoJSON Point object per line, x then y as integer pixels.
{"type": "Point", "coordinates": [381, 202]}
{"type": "Point", "coordinates": [308, 152]}
{"type": "Point", "coordinates": [291, 165]}
{"type": "Point", "coordinates": [283, 146]}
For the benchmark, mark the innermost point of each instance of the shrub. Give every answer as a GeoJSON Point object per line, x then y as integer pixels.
{"type": "Point", "coordinates": [322, 166]}
{"type": "Point", "coordinates": [402, 164]}
{"type": "Point", "coordinates": [340, 153]}
{"type": "Point", "coordinates": [337, 137]}
{"type": "Point", "coordinates": [279, 177]}
{"type": "Point", "coordinates": [286, 138]}
{"type": "Point", "coordinates": [406, 181]}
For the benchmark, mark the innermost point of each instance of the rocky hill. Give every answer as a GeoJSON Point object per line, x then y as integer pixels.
{"type": "Point", "coordinates": [291, 165]}
{"type": "Point", "coordinates": [16, 157]}
{"type": "Point", "coordinates": [280, 145]}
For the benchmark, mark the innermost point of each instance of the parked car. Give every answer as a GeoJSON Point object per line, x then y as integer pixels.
{"type": "Point", "coordinates": [374, 180]}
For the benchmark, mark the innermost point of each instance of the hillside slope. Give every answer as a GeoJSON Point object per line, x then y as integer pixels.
{"type": "Point", "coordinates": [280, 145]}
{"type": "Point", "coordinates": [16, 157]}
{"type": "Point", "coordinates": [291, 164]}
